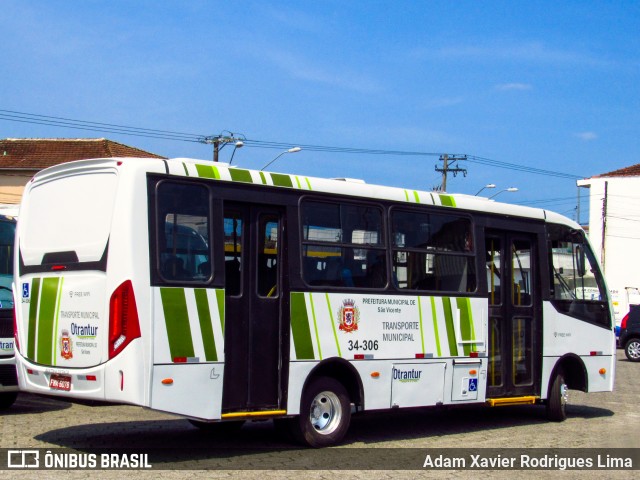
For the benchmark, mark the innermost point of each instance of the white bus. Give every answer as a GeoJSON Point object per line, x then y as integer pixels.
{"type": "Point", "coordinates": [223, 294]}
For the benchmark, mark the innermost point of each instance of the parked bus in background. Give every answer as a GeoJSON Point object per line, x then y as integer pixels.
{"type": "Point", "coordinates": [223, 294]}
{"type": "Point", "coordinates": [8, 379]}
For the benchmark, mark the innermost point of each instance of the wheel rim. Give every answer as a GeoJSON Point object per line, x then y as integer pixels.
{"type": "Point", "coordinates": [564, 394]}
{"type": "Point", "coordinates": [326, 413]}
{"type": "Point", "coordinates": [634, 349]}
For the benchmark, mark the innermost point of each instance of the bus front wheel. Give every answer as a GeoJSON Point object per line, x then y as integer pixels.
{"type": "Point", "coordinates": [325, 413]}
{"type": "Point", "coordinates": [557, 401]}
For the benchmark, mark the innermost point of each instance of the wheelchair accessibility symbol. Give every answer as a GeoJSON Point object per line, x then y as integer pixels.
{"type": "Point", "coordinates": [473, 384]}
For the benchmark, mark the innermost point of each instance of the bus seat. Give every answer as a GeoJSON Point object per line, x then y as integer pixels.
{"type": "Point", "coordinates": [173, 269]}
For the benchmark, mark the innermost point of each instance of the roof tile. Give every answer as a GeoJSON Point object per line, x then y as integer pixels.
{"type": "Point", "coordinates": [39, 153]}
{"type": "Point", "coordinates": [632, 171]}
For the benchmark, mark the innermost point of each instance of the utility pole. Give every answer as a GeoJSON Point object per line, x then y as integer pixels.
{"type": "Point", "coordinates": [450, 167]}
{"type": "Point", "coordinates": [219, 141]}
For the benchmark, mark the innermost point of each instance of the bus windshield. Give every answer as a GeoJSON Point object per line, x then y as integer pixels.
{"type": "Point", "coordinates": [7, 234]}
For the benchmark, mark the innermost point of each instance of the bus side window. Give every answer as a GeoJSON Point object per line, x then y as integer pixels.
{"type": "Point", "coordinates": [183, 232]}
{"type": "Point", "coordinates": [233, 237]}
{"type": "Point", "coordinates": [432, 252]}
{"type": "Point", "coordinates": [577, 285]}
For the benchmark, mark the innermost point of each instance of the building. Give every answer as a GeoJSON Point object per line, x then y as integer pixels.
{"type": "Point", "coordinates": [22, 158]}
{"type": "Point", "coordinates": [614, 232]}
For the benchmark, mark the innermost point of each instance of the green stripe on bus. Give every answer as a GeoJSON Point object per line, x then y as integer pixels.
{"type": "Point", "coordinates": [417, 196]}
{"type": "Point", "coordinates": [263, 178]}
{"type": "Point", "coordinates": [176, 319]}
{"type": "Point", "coordinates": [220, 298]}
{"type": "Point", "coordinates": [308, 183]}
{"type": "Point", "coordinates": [207, 171]}
{"type": "Point", "coordinates": [466, 323]}
{"type": "Point", "coordinates": [298, 182]}
{"type": "Point", "coordinates": [406, 195]}
{"type": "Point", "coordinates": [448, 320]}
{"type": "Point", "coordinates": [281, 180]}
{"type": "Point", "coordinates": [421, 329]}
{"type": "Point", "coordinates": [315, 326]}
{"type": "Point", "coordinates": [33, 319]}
{"type": "Point", "coordinates": [240, 175]}
{"type": "Point", "coordinates": [434, 315]}
{"type": "Point", "coordinates": [45, 320]}
{"type": "Point", "coordinates": [204, 315]}
{"type": "Point", "coordinates": [447, 200]}
{"type": "Point", "coordinates": [300, 328]}
{"type": "Point", "coordinates": [333, 325]}
{"type": "Point", "coordinates": [54, 345]}
{"type": "Point", "coordinates": [186, 172]}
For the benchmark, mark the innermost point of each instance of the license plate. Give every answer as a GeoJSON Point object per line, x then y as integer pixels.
{"type": "Point", "coordinates": [60, 382]}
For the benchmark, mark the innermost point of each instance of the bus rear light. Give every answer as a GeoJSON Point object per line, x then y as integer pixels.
{"type": "Point", "coordinates": [57, 268]}
{"type": "Point", "coordinates": [419, 355]}
{"type": "Point", "coordinates": [179, 359]}
{"type": "Point", "coordinates": [473, 354]}
{"type": "Point", "coordinates": [602, 371]}
{"type": "Point", "coordinates": [124, 325]}
{"type": "Point", "coordinates": [91, 378]}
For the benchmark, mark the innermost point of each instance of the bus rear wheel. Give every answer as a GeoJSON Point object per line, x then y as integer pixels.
{"type": "Point", "coordinates": [325, 413]}
{"type": "Point", "coordinates": [558, 397]}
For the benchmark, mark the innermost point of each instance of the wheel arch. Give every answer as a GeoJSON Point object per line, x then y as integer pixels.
{"type": "Point", "coordinates": [574, 370]}
{"type": "Point", "coordinates": [342, 371]}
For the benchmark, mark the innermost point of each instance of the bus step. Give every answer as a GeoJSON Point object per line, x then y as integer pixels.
{"type": "Point", "coordinates": [249, 415]}
{"type": "Point", "coordinates": [500, 402]}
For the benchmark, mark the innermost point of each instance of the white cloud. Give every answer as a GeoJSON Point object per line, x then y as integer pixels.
{"type": "Point", "coordinates": [514, 86]}
{"type": "Point", "coordinates": [531, 52]}
{"type": "Point", "coordinates": [586, 136]}
{"type": "Point", "coordinates": [443, 102]}
{"type": "Point", "coordinates": [300, 67]}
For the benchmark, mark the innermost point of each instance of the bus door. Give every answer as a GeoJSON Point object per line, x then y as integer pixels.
{"type": "Point", "coordinates": [514, 313]}
{"type": "Point", "coordinates": [254, 257]}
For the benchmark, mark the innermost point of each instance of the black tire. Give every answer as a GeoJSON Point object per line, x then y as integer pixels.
{"type": "Point", "coordinates": [220, 428]}
{"type": "Point", "coordinates": [557, 400]}
{"type": "Point", "coordinates": [632, 349]}
{"type": "Point", "coordinates": [325, 413]}
{"type": "Point", "coordinates": [7, 399]}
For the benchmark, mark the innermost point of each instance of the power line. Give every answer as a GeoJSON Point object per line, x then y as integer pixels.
{"type": "Point", "coordinates": [95, 126]}
{"type": "Point", "coordinates": [63, 122]}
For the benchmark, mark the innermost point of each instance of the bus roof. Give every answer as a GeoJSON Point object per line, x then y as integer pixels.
{"type": "Point", "coordinates": [189, 167]}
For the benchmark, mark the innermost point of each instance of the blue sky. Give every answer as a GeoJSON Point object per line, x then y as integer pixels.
{"type": "Point", "coordinates": [549, 85]}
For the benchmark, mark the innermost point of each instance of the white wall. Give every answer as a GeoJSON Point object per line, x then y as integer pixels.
{"type": "Point", "coordinates": [621, 259]}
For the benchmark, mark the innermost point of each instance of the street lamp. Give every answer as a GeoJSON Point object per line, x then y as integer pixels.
{"type": "Point", "coordinates": [239, 144]}
{"type": "Point", "coordinates": [291, 150]}
{"type": "Point", "coordinates": [490, 185]}
{"type": "Point", "coordinates": [510, 189]}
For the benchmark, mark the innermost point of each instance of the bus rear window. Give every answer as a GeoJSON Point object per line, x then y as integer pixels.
{"type": "Point", "coordinates": [73, 213]}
